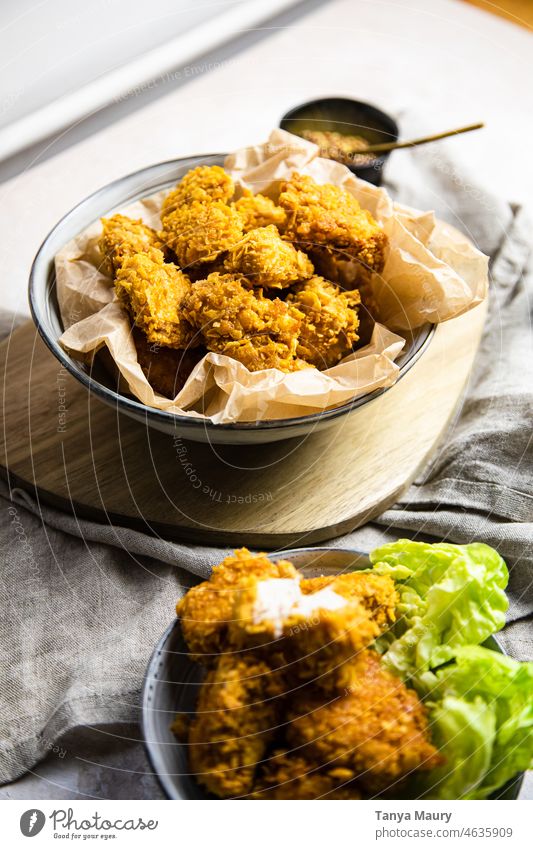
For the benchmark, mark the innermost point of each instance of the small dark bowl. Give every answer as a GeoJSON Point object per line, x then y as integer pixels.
{"type": "Point", "coordinates": [172, 682]}
{"type": "Point", "coordinates": [348, 117]}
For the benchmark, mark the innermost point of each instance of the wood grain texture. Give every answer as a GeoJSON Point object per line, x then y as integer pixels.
{"type": "Point", "coordinates": [82, 456]}
{"type": "Point", "coordinates": [519, 12]}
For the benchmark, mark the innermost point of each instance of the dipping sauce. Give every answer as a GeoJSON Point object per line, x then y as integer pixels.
{"type": "Point", "coordinates": [343, 148]}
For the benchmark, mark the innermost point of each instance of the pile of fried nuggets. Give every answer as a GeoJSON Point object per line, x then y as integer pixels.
{"type": "Point", "coordinates": [294, 704]}
{"type": "Point", "coordinates": [242, 277]}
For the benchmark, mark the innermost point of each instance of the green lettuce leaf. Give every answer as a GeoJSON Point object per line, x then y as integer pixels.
{"type": "Point", "coordinates": [481, 718]}
{"type": "Point", "coordinates": [450, 596]}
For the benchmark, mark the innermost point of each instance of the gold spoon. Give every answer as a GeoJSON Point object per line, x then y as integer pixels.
{"type": "Point", "coordinates": [382, 148]}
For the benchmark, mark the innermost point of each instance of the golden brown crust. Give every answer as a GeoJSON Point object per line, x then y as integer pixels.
{"type": "Point", "coordinates": [236, 716]}
{"type": "Point", "coordinates": [320, 640]}
{"type": "Point", "coordinates": [377, 593]}
{"type": "Point", "coordinates": [288, 775]}
{"type": "Point", "coordinates": [152, 291]}
{"type": "Point", "coordinates": [264, 259]}
{"type": "Point", "coordinates": [329, 330]}
{"type": "Point", "coordinates": [259, 211]}
{"type": "Point", "coordinates": [201, 232]}
{"type": "Point", "coordinates": [378, 730]}
{"type": "Point", "coordinates": [203, 184]}
{"type": "Point", "coordinates": [234, 320]}
{"type": "Point", "coordinates": [328, 215]}
{"type": "Point", "coordinates": [122, 237]}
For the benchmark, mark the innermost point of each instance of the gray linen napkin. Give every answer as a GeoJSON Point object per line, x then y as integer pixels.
{"type": "Point", "coordinates": [84, 603]}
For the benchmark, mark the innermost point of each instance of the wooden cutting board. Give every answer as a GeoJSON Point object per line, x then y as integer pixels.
{"type": "Point", "coordinates": [75, 453]}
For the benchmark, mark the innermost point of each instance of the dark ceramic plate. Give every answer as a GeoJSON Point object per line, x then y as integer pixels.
{"type": "Point", "coordinates": [172, 680]}
{"type": "Point", "coordinates": [45, 312]}
{"type": "Point", "coordinates": [350, 118]}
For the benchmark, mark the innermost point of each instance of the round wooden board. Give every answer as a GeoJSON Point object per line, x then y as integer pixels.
{"type": "Point", "coordinates": [84, 457]}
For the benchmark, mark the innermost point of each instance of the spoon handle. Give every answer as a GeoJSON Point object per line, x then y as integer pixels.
{"type": "Point", "coordinates": [381, 148]}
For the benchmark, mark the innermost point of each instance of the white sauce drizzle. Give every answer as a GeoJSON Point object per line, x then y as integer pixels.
{"type": "Point", "coordinates": [278, 598]}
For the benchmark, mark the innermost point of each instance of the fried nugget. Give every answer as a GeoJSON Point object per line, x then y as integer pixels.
{"type": "Point", "coordinates": [264, 259]}
{"type": "Point", "coordinates": [236, 717]}
{"type": "Point", "coordinates": [330, 216]}
{"type": "Point", "coordinates": [233, 320]}
{"type": "Point", "coordinates": [122, 237]}
{"type": "Point", "coordinates": [378, 730]}
{"type": "Point", "coordinates": [288, 775]}
{"type": "Point", "coordinates": [318, 633]}
{"type": "Point", "coordinates": [207, 609]}
{"type": "Point", "coordinates": [200, 232]}
{"type": "Point", "coordinates": [258, 211]}
{"type": "Point", "coordinates": [153, 291]}
{"type": "Point", "coordinates": [166, 369]}
{"type": "Point", "coordinates": [329, 329]}
{"type": "Point", "coordinates": [203, 184]}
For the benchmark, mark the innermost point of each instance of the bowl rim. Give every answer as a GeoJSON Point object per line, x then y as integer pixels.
{"type": "Point", "coordinates": [292, 114]}
{"type": "Point", "coordinates": [152, 748]}
{"type": "Point", "coordinates": [42, 270]}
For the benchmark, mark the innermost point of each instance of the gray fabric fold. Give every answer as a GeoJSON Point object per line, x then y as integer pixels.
{"type": "Point", "coordinates": [83, 604]}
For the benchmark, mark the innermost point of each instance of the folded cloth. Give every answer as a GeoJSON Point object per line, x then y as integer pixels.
{"type": "Point", "coordinates": [83, 603]}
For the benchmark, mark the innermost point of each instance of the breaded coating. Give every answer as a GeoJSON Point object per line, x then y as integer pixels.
{"type": "Point", "coordinates": [380, 597]}
{"type": "Point", "coordinates": [203, 184]}
{"type": "Point", "coordinates": [259, 332]}
{"type": "Point", "coordinates": [122, 237]}
{"type": "Point", "coordinates": [206, 609]}
{"type": "Point", "coordinates": [153, 291]}
{"type": "Point", "coordinates": [336, 267]}
{"type": "Point", "coordinates": [328, 215]}
{"type": "Point", "coordinates": [236, 716]}
{"type": "Point", "coordinates": [166, 369]}
{"type": "Point", "coordinates": [319, 633]}
{"type": "Point", "coordinates": [288, 775]}
{"type": "Point", "coordinates": [329, 329]}
{"type": "Point", "coordinates": [258, 211]}
{"type": "Point", "coordinates": [262, 352]}
{"type": "Point", "coordinates": [264, 259]}
{"type": "Point", "coordinates": [200, 232]}
{"type": "Point", "coordinates": [378, 730]}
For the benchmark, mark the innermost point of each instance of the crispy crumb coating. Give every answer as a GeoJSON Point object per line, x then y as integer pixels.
{"type": "Point", "coordinates": [264, 259]}
{"type": "Point", "coordinates": [378, 730]}
{"type": "Point", "coordinates": [153, 291]}
{"type": "Point", "coordinates": [335, 266]}
{"type": "Point", "coordinates": [263, 352]}
{"type": "Point", "coordinates": [200, 232]}
{"type": "Point", "coordinates": [206, 609]}
{"type": "Point", "coordinates": [123, 237]}
{"type": "Point", "coordinates": [329, 329]}
{"type": "Point", "coordinates": [259, 332]}
{"type": "Point", "coordinates": [377, 593]}
{"type": "Point", "coordinates": [328, 215]}
{"type": "Point", "coordinates": [288, 775]}
{"type": "Point", "coordinates": [203, 184]}
{"type": "Point", "coordinates": [166, 369]}
{"type": "Point", "coordinates": [258, 211]}
{"type": "Point", "coordinates": [236, 716]}
{"type": "Point", "coordinates": [319, 635]}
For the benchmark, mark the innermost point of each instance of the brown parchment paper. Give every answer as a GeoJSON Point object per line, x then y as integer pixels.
{"type": "Point", "coordinates": [431, 273]}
